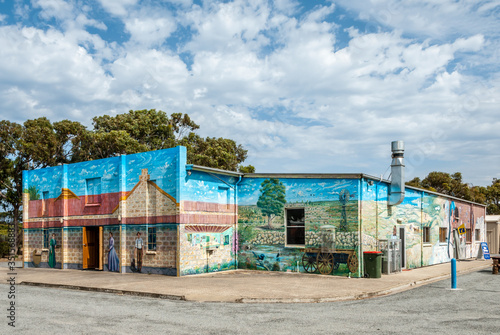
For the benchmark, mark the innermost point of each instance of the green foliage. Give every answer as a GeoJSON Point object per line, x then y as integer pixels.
{"type": "Point", "coordinates": [493, 197]}
{"type": "Point", "coordinates": [247, 169]}
{"type": "Point", "coordinates": [272, 198]}
{"type": "Point", "coordinates": [33, 192]}
{"type": "Point", "coordinates": [4, 249]}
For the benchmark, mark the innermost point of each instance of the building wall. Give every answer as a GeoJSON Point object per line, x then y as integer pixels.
{"type": "Point", "coordinates": [419, 210]}
{"type": "Point", "coordinates": [262, 242]}
{"type": "Point", "coordinates": [207, 223]}
{"type": "Point", "coordinates": [121, 194]}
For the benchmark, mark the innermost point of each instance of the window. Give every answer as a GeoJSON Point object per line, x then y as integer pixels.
{"type": "Point", "coordinates": [478, 235]}
{"type": "Point", "coordinates": [427, 235]}
{"type": "Point", "coordinates": [295, 226]}
{"type": "Point", "coordinates": [45, 238]}
{"type": "Point", "coordinates": [468, 235]}
{"type": "Point", "coordinates": [152, 238]}
{"type": "Point", "coordinates": [45, 203]}
{"type": "Point", "coordinates": [223, 193]}
{"type": "Point", "coordinates": [93, 191]}
{"type": "Point", "coordinates": [443, 235]}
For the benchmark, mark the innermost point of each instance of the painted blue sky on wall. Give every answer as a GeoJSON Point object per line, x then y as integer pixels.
{"type": "Point", "coordinates": [160, 165]}
{"type": "Point", "coordinates": [299, 190]}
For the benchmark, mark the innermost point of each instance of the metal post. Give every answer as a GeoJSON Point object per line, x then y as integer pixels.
{"type": "Point", "coordinates": [453, 273]}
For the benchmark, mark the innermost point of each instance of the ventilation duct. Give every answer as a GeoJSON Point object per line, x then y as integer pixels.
{"type": "Point", "coordinates": [397, 190]}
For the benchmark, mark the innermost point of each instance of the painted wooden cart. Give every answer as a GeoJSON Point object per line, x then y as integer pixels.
{"type": "Point", "coordinates": [316, 259]}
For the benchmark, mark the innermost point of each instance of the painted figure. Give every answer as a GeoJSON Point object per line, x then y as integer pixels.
{"type": "Point", "coordinates": [138, 250]}
{"type": "Point", "coordinates": [113, 261]}
{"type": "Point", "coordinates": [52, 251]}
{"type": "Point", "coordinates": [394, 232]}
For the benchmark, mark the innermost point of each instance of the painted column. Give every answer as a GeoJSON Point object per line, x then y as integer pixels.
{"type": "Point", "coordinates": [122, 214]}
{"type": "Point", "coordinates": [64, 229]}
{"type": "Point", "coordinates": [26, 199]}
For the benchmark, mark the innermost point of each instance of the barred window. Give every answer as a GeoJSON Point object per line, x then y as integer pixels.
{"type": "Point", "coordinates": [478, 235]}
{"type": "Point", "coordinates": [152, 238]}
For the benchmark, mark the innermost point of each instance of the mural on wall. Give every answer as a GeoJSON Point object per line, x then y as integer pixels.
{"type": "Point", "coordinates": [300, 225]}
{"type": "Point", "coordinates": [52, 251]}
{"type": "Point", "coordinates": [90, 197]}
{"type": "Point", "coordinates": [428, 222]}
{"type": "Point", "coordinates": [207, 249]}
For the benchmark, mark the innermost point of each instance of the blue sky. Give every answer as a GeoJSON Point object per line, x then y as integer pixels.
{"type": "Point", "coordinates": [305, 86]}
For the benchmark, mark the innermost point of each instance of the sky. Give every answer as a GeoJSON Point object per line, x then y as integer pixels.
{"type": "Point", "coordinates": [305, 86]}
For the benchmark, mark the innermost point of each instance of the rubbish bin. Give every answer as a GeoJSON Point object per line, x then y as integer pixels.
{"type": "Point", "coordinates": [373, 264]}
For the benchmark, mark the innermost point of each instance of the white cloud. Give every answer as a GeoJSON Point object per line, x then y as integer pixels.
{"type": "Point", "coordinates": [274, 78]}
{"type": "Point", "coordinates": [117, 7]}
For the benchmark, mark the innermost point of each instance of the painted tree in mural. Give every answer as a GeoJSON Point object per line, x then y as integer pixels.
{"type": "Point", "coordinates": [272, 199]}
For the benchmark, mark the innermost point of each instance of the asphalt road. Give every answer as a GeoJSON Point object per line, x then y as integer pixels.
{"type": "Point", "coordinates": [434, 308]}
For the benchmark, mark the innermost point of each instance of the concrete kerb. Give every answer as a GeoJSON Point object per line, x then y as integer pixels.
{"type": "Point", "coordinates": [106, 290]}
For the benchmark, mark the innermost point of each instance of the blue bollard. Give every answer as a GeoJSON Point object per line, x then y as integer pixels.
{"type": "Point", "coordinates": [453, 273]}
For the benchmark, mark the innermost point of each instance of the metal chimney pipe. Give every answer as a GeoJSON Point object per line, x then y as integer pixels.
{"type": "Point", "coordinates": [397, 189]}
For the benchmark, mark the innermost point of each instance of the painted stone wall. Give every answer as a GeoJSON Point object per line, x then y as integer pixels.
{"type": "Point", "coordinates": [327, 203]}
{"type": "Point", "coordinates": [159, 261]}
{"type": "Point", "coordinates": [33, 240]}
{"type": "Point", "coordinates": [73, 241]}
{"type": "Point", "coordinates": [206, 249]}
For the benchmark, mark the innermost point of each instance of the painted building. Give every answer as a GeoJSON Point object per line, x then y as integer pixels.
{"type": "Point", "coordinates": [194, 219]}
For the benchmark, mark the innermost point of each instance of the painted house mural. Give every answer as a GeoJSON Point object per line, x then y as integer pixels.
{"type": "Point", "coordinates": [153, 213]}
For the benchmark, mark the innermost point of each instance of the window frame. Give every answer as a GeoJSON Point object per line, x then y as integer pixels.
{"type": "Point", "coordinates": [95, 198]}
{"type": "Point", "coordinates": [468, 235]}
{"type": "Point", "coordinates": [445, 235]}
{"type": "Point", "coordinates": [152, 234]}
{"type": "Point", "coordinates": [477, 235]}
{"type": "Point", "coordinates": [292, 245]}
{"type": "Point", "coordinates": [426, 235]}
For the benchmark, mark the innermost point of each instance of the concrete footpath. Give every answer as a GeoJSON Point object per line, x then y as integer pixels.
{"type": "Point", "coordinates": [242, 286]}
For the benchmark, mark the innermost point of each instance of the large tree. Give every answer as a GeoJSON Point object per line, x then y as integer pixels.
{"type": "Point", "coordinates": [272, 199]}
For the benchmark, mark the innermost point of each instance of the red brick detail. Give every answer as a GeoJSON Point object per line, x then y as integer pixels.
{"type": "Point", "coordinates": [75, 206]}
{"type": "Point", "coordinates": [43, 224]}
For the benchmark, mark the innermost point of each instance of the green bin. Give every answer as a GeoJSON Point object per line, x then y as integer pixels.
{"type": "Point", "coordinates": [373, 264]}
